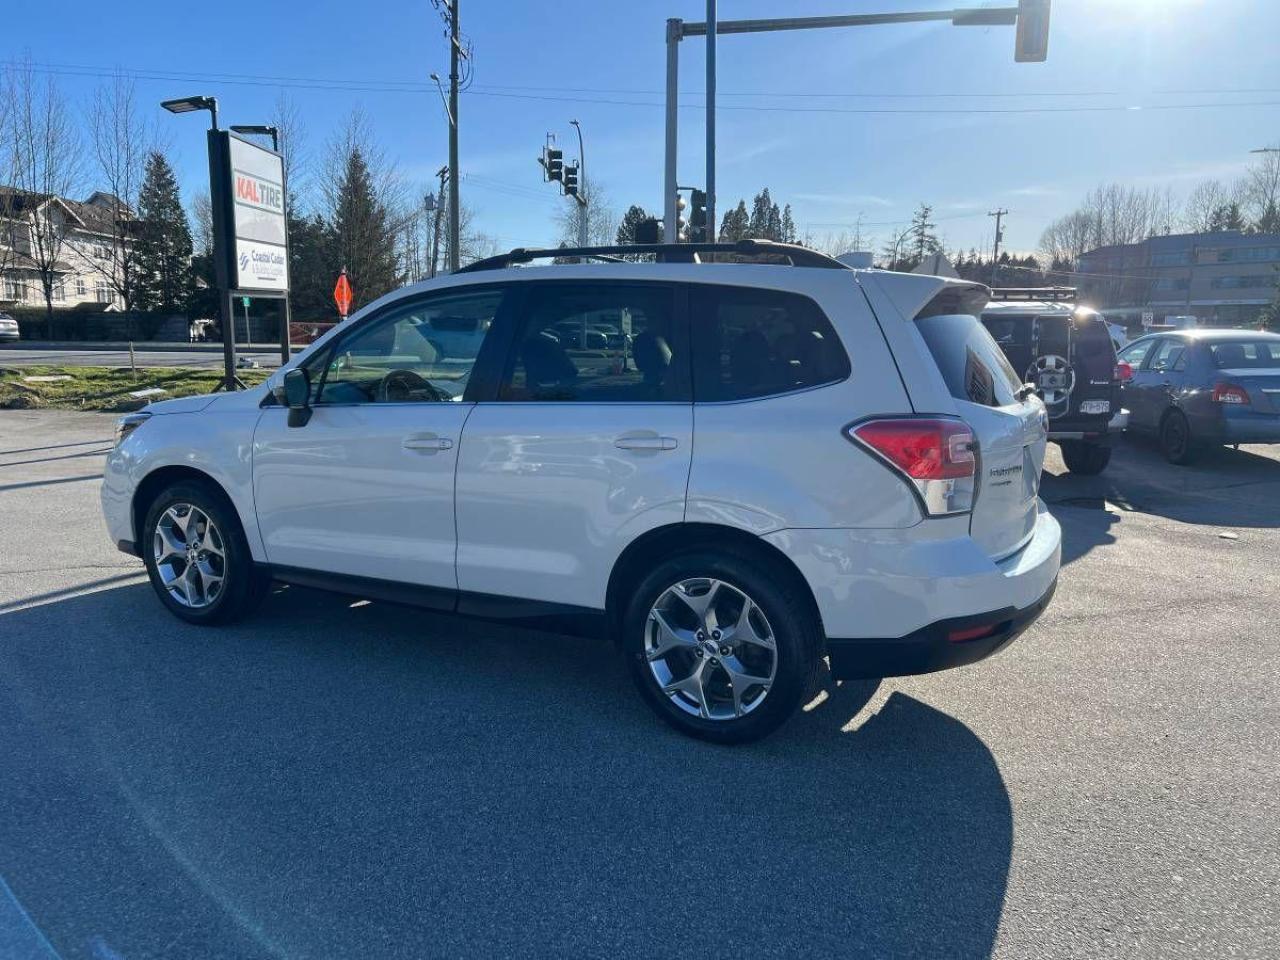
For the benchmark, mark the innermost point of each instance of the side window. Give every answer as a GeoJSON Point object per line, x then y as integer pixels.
{"type": "Point", "coordinates": [753, 343]}
{"type": "Point", "coordinates": [422, 352]}
{"type": "Point", "coordinates": [1135, 353]}
{"type": "Point", "coordinates": [1167, 355]}
{"type": "Point", "coordinates": [598, 343]}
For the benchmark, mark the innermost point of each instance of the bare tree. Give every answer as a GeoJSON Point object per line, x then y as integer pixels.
{"type": "Point", "coordinates": [602, 224]}
{"type": "Point", "coordinates": [202, 217]}
{"type": "Point", "coordinates": [8, 242]}
{"type": "Point", "coordinates": [121, 140]}
{"type": "Point", "coordinates": [1204, 201]}
{"type": "Point", "coordinates": [1261, 193]}
{"type": "Point", "coordinates": [287, 119]}
{"type": "Point", "coordinates": [46, 168]}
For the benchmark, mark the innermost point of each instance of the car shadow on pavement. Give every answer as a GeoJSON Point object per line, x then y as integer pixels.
{"type": "Point", "coordinates": [341, 779]}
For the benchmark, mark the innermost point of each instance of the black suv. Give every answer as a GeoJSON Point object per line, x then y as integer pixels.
{"type": "Point", "coordinates": [1066, 353]}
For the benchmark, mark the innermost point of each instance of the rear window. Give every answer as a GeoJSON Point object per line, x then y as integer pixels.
{"type": "Point", "coordinates": [974, 367]}
{"type": "Point", "coordinates": [756, 343]}
{"type": "Point", "coordinates": [1245, 354]}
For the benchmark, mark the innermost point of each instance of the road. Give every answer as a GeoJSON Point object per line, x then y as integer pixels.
{"type": "Point", "coordinates": [63, 356]}
{"type": "Point", "coordinates": [339, 779]}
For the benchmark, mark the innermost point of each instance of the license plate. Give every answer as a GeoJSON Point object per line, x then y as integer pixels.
{"type": "Point", "coordinates": [1095, 406]}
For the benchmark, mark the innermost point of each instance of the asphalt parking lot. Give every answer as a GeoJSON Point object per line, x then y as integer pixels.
{"type": "Point", "coordinates": [331, 779]}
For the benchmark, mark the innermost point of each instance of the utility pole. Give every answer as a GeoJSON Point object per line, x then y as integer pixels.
{"type": "Point", "coordinates": [999, 214]}
{"type": "Point", "coordinates": [584, 223]}
{"type": "Point", "coordinates": [455, 216]}
{"type": "Point", "coordinates": [443, 174]}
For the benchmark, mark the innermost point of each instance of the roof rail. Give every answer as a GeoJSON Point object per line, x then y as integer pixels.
{"type": "Point", "coordinates": [794, 254]}
{"type": "Point", "coordinates": [1033, 293]}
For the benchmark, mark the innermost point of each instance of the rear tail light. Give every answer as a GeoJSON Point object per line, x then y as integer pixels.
{"type": "Point", "coordinates": [934, 455]}
{"type": "Point", "coordinates": [1124, 372]}
{"type": "Point", "coordinates": [1229, 393]}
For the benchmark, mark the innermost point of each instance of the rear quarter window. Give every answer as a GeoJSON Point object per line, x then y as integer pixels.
{"type": "Point", "coordinates": [757, 343]}
{"type": "Point", "coordinates": [972, 364]}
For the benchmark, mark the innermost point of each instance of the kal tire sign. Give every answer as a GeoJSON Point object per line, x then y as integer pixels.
{"type": "Point", "coordinates": [256, 191]}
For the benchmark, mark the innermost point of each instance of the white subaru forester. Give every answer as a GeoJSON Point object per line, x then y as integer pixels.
{"type": "Point", "coordinates": [737, 470]}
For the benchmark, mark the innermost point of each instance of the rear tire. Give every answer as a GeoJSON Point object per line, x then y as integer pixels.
{"type": "Point", "coordinates": [1176, 441]}
{"type": "Point", "coordinates": [197, 556]}
{"type": "Point", "coordinates": [716, 699]}
{"type": "Point", "coordinates": [1085, 459]}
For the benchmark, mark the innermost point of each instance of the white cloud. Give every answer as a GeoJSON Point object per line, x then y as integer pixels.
{"type": "Point", "coordinates": [846, 199]}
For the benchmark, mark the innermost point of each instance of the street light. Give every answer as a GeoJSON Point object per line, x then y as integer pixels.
{"type": "Point", "coordinates": [584, 238]}
{"type": "Point", "coordinates": [262, 130]}
{"type": "Point", "coordinates": [192, 104]}
{"type": "Point", "coordinates": [226, 316]}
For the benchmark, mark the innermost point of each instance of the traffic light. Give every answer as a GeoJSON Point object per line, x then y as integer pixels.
{"type": "Point", "coordinates": [681, 223]}
{"type": "Point", "coordinates": [698, 216]}
{"type": "Point", "coordinates": [553, 160]}
{"type": "Point", "coordinates": [570, 180]}
{"type": "Point", "coordinates": [1032, 44]}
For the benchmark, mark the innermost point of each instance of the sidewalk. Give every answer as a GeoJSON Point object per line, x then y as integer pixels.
{"type": "Point", "coordinates": [144, 346]}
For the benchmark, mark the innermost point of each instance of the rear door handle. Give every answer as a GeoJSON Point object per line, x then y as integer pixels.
{"type": "Point", "coordinates": [426, 443]}
{"type": "Point", "coordinates": [646, 443]}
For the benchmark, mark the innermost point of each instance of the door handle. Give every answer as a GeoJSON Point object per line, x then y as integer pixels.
{"type": "Point", "coordinates": [646, 443]}
{"type": "Point", "coordinates": [426, 443]}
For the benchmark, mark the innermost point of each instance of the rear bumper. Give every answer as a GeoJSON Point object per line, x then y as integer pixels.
{"type": "Point", "coordinates": [934, 647]}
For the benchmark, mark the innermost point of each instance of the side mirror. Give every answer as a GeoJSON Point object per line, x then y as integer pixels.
{"type": "Point", "coordinates": [297, 396]}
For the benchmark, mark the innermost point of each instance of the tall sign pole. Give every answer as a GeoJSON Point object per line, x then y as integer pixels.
{"type": "Point", "coordinates": [223, 231]}
{"type": "Point", "coordinates": [455, 218]}
{"type": "Point", "coordinates": [675, 32]}
{"type": "Point", "coordinates": [710, 228]}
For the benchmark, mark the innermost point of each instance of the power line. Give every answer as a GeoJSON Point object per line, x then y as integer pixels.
{"type": "Point", "coordinates": [415, 87]}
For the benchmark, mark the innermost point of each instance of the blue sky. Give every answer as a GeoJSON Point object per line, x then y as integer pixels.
{"type": "Point", "coordinates": [790, 127]}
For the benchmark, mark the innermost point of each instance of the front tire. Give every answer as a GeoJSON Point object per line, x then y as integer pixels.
{"type": "Point", "coordinates": [1085, 459]}
{"type": "Point", "coordinates": [722, 645]}
{"type": "Point", "coordinates": [197, 556]}
{"type": "Point", "coordinates": [1176, 442]}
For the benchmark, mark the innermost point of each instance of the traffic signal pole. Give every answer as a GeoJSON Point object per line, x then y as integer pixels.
{"type": "Point", "coordinates": [1030, 16]}
{"type": "Point", "coordinates": [455, 182]}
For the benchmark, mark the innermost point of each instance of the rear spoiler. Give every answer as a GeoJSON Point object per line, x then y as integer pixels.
{"type": "Point", "coordinates": [916, 295]}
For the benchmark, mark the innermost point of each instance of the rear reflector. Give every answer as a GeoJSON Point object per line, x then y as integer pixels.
{"type": "Point", "coordinates": [1229, 393]}
{"type": "Point", "coordinates": [933, 454]}
{"type": "Point", "coordinates": [971, 633]}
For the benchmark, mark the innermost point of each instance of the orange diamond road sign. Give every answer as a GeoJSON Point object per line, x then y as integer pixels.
{"type": "Point", "coordinates": [342, 294]}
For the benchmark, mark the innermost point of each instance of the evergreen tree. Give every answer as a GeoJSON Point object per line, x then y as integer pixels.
{"type": "Point", "coordinates": [766, 221]}
{"type": "Point", "coordinates": [634, 216]}
{"type": "Point", "coordinates": [312, 270]}
{"type": "Point", "coordinates": [364, 234]}
{"type": "Point", "coordinates": [788, 231]}
{"type": "Point", "coordinates": [1269, 220]}
{"type": "Point", "coordinates": [163, 263]}
{"type": "Point", "coordinates": [736, 223]}
{"type": "Point", "coordinates": [923, 239]}
{"type": "Point", "coordinates": [1226, 217]}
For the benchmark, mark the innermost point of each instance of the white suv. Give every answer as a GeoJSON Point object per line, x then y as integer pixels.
{"type": "Point", "coordinates": [735, 470]}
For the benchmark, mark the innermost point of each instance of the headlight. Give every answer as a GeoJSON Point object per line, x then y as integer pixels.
{"type": "Point", "coordinates": [129, 423]}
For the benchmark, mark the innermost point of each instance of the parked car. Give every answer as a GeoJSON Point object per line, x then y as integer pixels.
{"type": "Point", "coordinates": [797, 462]}
{"type": "Point", "coordinates": [1195, 388]}
{"type": "Point", "coordinates": [9, 328]}
{"type": "Point", "coordinates": [1066, 353]}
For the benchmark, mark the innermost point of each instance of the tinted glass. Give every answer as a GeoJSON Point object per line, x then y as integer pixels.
{"type": "Point", "coordinates": [421, 353]}
{"type": "Point", "coordinates": [1245, 354]}
{"type": "Point", "coordinates": [598, 343]}
{"type": "Point", "coordinates": [1009, 331]}
{"type": "Point", "coordinates": [973, 366]}
{"type": "Point", "coordinates": [753, 343]}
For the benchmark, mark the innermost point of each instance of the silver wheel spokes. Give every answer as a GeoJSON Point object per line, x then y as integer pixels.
{"type": "Point", "coordinates": [190, 555]}
{"type": "Point", "coordinates": [710, 648]}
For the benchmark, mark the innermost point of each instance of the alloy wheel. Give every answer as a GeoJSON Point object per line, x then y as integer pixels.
{"type": "Point", "coordinates": [710, 648]}
{"type": "Point", "coordinates": [190, 555]}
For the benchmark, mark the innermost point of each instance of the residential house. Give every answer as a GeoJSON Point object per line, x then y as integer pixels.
{"type": "Point", "coordinates": [88, 249]}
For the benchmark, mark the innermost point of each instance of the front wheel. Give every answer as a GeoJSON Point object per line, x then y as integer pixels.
{"type": "Point", "coordinates": [197, 556]}
{"type": "Point", "coordinates": [719, 647]}
{"type": "Point", "coordinates": [1176, 442]}
{"type": "Point", "coordinates": [1085, 459]}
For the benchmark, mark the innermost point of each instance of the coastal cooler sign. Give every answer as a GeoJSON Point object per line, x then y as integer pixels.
{"type": "Point", "coordinates": [258, 242]}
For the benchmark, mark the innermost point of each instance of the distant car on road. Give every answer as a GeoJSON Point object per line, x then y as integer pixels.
{"type": "Point", "coordinates": [1195, 388]}
{"type": "Point", "coordinates": [1067, 353]}
{"type": "Point", "coordinates": [8, 328]}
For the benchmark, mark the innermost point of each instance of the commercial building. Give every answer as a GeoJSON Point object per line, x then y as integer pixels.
{"type": "Point", "coordinates": [1223, 279]}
